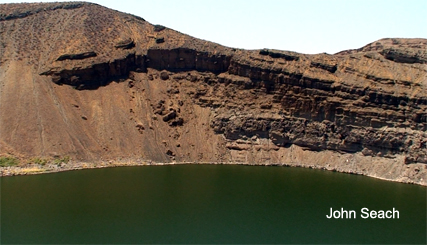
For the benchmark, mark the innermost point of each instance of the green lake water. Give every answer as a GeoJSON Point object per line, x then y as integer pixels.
{"type": "Point", "coordinates": [206, 204]}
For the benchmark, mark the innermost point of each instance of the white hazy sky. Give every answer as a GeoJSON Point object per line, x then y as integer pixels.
{"type": "Point", "coordinates": [306, 26]}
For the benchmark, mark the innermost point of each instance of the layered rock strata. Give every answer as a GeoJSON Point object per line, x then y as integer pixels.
{"type": "Point", "coordinates": [94, 83]}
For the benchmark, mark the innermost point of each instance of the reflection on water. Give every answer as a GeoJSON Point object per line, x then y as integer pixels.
{"type": "Point", "coordinates": [206, 204]}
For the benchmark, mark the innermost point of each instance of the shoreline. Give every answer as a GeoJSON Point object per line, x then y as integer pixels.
{"type": "Point", "coordinates": [33, 169]}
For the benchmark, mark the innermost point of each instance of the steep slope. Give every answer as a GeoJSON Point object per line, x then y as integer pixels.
{"type": "Point", "coordinates": [81, 80]}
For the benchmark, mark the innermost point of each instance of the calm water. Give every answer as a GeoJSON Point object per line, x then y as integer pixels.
{"type": "Point", "coordinates": [206, 204]}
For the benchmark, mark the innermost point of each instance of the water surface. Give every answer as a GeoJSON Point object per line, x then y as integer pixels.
{"type": "Point", "coordinates": [206, 204]}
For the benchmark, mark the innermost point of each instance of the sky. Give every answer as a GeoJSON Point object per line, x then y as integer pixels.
{"type": "Point", "coordinates": [305, 26]}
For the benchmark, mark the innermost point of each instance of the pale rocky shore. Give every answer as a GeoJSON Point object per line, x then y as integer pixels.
{"type": "Point", "coordinates": [376, 167]}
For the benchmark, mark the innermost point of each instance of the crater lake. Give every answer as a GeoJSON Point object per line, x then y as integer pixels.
{"type": "Point", "coordinates": [207, 204]}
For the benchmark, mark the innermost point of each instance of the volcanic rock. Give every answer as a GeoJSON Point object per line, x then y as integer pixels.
{"type": "Point", "coordinates": [360, 111]}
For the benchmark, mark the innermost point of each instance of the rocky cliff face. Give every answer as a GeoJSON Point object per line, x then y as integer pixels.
{"type": "Point", "coordinates": [81, 80]}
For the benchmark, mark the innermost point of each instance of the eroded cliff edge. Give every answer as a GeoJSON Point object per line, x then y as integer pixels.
{"type": "Point", "coordinates": [81, 80]}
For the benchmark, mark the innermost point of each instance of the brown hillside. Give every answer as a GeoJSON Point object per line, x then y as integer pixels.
{"type": "Point", "coordinates": [82, 80]}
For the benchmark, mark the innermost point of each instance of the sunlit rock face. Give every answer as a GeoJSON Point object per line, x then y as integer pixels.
{"type": "Point", "coordinates": [85, 81]}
